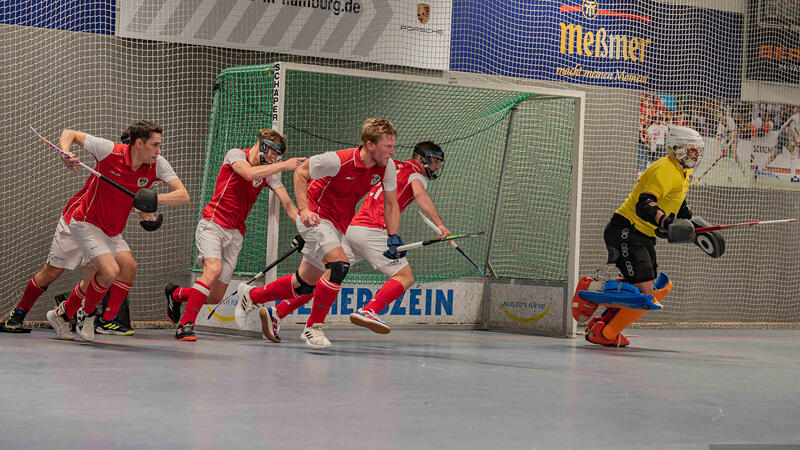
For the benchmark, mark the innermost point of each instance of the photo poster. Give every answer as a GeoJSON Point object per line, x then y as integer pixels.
{"type": "Point", "coordinates": [747, 144]}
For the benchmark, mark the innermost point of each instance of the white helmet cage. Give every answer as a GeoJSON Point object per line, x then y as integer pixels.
{"type": "Point", "coordinates": [680, 140]}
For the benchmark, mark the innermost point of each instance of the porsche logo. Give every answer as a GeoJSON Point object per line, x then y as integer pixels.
{"type": "Point", "coordinates": [423, 12]}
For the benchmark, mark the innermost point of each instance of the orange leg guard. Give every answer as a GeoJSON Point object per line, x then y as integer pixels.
{"type": "Point", "coordinates": [626, 316]}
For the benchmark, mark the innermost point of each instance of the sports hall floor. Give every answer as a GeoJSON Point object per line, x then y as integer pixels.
{"type": "Point", "coordinates": [414, 388]}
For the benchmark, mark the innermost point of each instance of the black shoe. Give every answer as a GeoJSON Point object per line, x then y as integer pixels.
{"type": "Point", "coordinates": [112, 327]}
{"type": "Point", "coordinates": [185, 332]}
{"type": "Point", "coordinates": [173, 307]}
{"type": "Point", "coordinates": [14, 323]}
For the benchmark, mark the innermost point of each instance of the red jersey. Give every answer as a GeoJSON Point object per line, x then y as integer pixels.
{"type": "Point", "coordinates": [234, 196]}
{"type": "Point", "coordinates": [340, 180]}
{"type": "Point", "coordinates": [74, 202]}
{"type": "Point", "coordinates": [105, 206]}
{"type": "Point", "coordinates": [371, 213]}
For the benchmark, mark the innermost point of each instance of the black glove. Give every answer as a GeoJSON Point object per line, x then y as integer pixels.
{"type": "Point", "coordinates": [152, 225]}
{"type": "Point", "coordinates": [393, 242]}
{"type": "Point", "coordinates": [676, 230]}
{"type": "Point", "coordinates": [146, 200]}
{"type": "Point", "coordinates": [298, 242]}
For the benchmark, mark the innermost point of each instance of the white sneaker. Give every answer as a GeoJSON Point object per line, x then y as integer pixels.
{"type": "Point", "coordinates": [315, 337]}
{"type": "Point", "coordinates": [243, 305]}
{"type": "Point", "coordinates": [270, 323]}
{"type": "Point", "coordinates": [57, 319]}
{"type": "Point", "coordinates": [84, 326]}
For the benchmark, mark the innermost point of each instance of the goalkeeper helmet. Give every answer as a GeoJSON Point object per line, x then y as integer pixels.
{"type": "Point", "coordinates": [685, 145]}
{"type": "Point", "coordinates": [432, 158]}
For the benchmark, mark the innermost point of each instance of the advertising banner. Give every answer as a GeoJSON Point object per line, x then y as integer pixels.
{"type": "Point", "coordinates": [453, 302]}
{"type": "Point", "coordinates": [381, 31]}
{"type": "Point", "coordinates": [641, 44]}
{"type": "Point", "coordinates": [746, 144]}
{"type": "Point", "coordinates": [773, 41]}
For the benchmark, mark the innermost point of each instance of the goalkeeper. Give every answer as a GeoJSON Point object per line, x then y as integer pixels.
{"type": "Point", "coordinates": [656, 207]}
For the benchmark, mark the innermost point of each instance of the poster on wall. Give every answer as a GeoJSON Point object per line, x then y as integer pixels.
{"type": "Point", "coordinates": [747, 144]}
{"type": "Point", "coordinates": [773, 41]}
{"type": "Point", "coordinates": [382, 31]}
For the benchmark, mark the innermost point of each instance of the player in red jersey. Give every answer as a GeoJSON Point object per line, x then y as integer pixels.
{"type": "Point", "coordinates": [366, 236]}
{"type": "Point", "coordinates": [66, 255]}
{"type": "Point", "coordinates": [220, 232]}
{"type": "Point", "coordinates": [327, 189]}
{"type": "Point", "coordinates": [102, 213]}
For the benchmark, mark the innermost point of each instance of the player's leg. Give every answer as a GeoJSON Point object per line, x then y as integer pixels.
{"type": "Point", "coordinates": [634, 255]}
{"type": "Point", "coordinates": [35, 288]}
{"type": "Point", "coordinates": [301, 292]}
{"type": "Point", "coordinates": [108, 323]}
{"type": "Point", "coordinates": [371, 243]}
{"type": "Point", "coordinates": [200, 290]}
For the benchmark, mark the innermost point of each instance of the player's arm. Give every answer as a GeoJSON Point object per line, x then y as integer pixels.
{"type": "Point", "coordinates": [286, 203]}
{"type": "Point", "coordinates": [302, 176]}
{"type": "Point", "coordinates": [177, 195]}
{"type": "Point", "coordinates": [426, 204]}
{"type": "Point", "coordinates": [391, 212]}
{"type": "Point", "coordinates": [250, 173]}
{"type": "Point", "coordinates": [647, 209]}
{"type": "Point", "coordinates": [69, 137]}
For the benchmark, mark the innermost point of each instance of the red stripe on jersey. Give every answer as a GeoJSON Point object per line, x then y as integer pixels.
{"type": "Point", "coordinates": [335, 198]}
{"type": "Point", "coordinates": [74, 202]}
{"type": "Point", "coordinates": [233, 198]}
{"type": "Point", "coordinates": [371, 212]}
{"type": "Point", "coordinates": [105, 206]}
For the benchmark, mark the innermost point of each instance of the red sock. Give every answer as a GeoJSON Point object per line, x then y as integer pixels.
{"type": "Point", "coordinates": [324, 296]}
{"type": "Point", "coordinates": [94, 295]}
{"type": "Point", "coordinates": [32, 292]}
{"type": "Point", "coordinates": [287, 307]}
{"type": "Point", "coordinates": [197, 298]}
{"type": "Point", "coordinates": [75, 301]}
{"type": "Point", "coordinates": [116, 295]}
{"type": "Point", "coordinates": [388, 293]}
{"type": "Point", "coordinates": [279, 289]}
{"type": "Point", "coordinates": [181, 294]}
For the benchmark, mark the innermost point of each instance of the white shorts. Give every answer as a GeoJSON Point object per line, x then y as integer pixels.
{"type": "Point", "coordinates": [64, 251]}
{"type": "Point", "coordinates": [93, 242]}
{"type": "Point", "coordinates": [362, 243]}
{"type": "Point", "coordinates": [320, 240]}
{"type": "Point", "coordinates": [213, 241]}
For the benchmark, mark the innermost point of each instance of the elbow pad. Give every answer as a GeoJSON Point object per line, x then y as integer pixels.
{"type": "Point", "coordinates": [646, 208]}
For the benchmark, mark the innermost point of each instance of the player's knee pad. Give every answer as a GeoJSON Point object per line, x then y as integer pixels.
{"type": "Point", "coordinates": [338, 271]}
{"type": "Point", "coordinates": [304, 288]}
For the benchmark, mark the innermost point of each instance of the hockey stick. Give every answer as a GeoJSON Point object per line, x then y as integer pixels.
{"type": "Point", "coordinates": [259, 275]}
{"type": "Point", "coordinates": [452, 244]}
{"type": "Point", "coordinates": [419, 244]}
{"type": "Point", "coordinates": [147, 196]}
{"type": "Point", "coordinates": [722, 227]}
{"type": "Point", "coordinates": [697, 180]}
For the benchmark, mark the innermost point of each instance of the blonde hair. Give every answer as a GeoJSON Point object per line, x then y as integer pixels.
{"type": "Point", "coordinates": [272, 135]}
{"type": "Point", "coordinates": [374, 128]}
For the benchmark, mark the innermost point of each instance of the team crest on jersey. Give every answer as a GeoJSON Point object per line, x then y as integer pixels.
{"type": "Point", "coordinates": [257, 183]}
{"type": "Point", "coordinates": [375, 179]}
{"type": "Point", "coordinates": [142, 182]}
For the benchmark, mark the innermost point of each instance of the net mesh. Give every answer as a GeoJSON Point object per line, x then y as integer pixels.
{"type": "Point", "coordinates": [63, 67]}
{"type": "Point", "coordinates": [476, 128]}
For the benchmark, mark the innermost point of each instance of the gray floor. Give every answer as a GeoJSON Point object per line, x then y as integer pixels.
{"type": "Point", "coordinates": [414, 388]}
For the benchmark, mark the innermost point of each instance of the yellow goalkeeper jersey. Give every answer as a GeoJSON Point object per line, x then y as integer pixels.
{"type": "Point", "coordinates": [665, 178]}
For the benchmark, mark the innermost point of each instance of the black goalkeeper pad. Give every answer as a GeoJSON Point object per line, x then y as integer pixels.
{"type": "Point", "coordinates": [152, 225]}
{"type": "Point", "coordinates": [146, 200]}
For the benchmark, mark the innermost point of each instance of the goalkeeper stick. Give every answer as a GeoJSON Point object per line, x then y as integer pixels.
{"type": "Point", "coordinates": [763, 222]}
{"type": "Point", "coordinates": [258, 275]}
{"type": "Point", "coordinates": [419, 244]}
{"type": "Point", "coordinates": [452, 244]}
